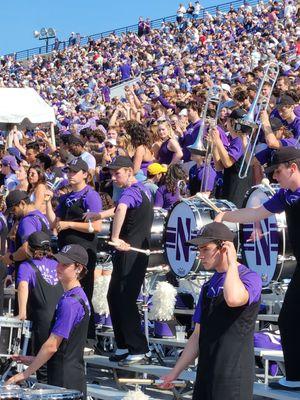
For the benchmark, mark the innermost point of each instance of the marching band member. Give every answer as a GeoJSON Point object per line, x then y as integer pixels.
{"type": "Point", "coordinates": [38, 292]}
{"type": "Point", "coordinates": [131, 227]}
{"type": "Point", "coordinates": [63, 350]}
{"type": "Point", "coordinates": [285, 166]}
{"type": "Point", "coordinates": [229, 157]}
{"type": "Point", "coordinates": [68, 219]}
{"type": "Point", "coordinates": [225, 320]}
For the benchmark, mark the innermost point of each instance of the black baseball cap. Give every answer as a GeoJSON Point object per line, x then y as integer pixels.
{"type": "Point", "coordinates": [14, 198]}
{"type": "Point", "coordinates": [210, 232]}
{"type": "Point", "coordinates": [77, 164]}
{"type": "Point", "coordinates": [39, 240]}
{"type": "Point", "coordinates": [75, 140]}
{"type": "Point", "coordinates": [121, 162]}
{"type": "Point", "coordinates": [275, 123]}
{"type": "Point", "coordinates": [72, 253]}
{"type": "Point", "coordinates": [238, 113]}
{"type": "Point", "coordinates": [282, 155]}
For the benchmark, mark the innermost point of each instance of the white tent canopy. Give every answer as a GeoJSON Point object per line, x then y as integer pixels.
{"type": "Point", "coordinates": [24, 106]}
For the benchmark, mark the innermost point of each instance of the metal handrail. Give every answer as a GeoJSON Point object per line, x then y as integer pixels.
{"type": "Point", "coordinates": [156, 23]}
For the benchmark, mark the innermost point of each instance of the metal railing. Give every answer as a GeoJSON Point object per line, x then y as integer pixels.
{"type": "Point", "coordinates": [156, 23]}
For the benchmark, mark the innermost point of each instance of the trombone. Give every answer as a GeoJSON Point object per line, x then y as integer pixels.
{"type": "Point", "coordinates": [213, 98]}
{"type": "Point", "coordinates": [251, 119]}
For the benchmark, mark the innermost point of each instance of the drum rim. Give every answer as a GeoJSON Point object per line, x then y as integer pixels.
{"type": "Point", "coordinates": [191, 203]}
{"type": "Point", "coordinates": [279, 265]}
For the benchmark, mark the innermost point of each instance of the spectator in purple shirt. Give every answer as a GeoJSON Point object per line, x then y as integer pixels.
{"type": "Point", "coordinates": [125, 70]}
{"type": "Point", "coordinates": [191, 133]}
{"type": "Point", "coordinates": [225, 319]}
{"type": "Point", "coordinates": [38, 291]}
{"type": "Point", "coordinates": [276, 136]}
{"type": "Point", "coordinates": [169, 193]}
{"type": "Point", "coordinates": [285, 166]}
{"type": "Point", "coordinates": [201, 175]}
{"type": "Point", "coordinates": [63, 350]}
{"type": "Point", "coordinates": [285, 107]}
{"type": "Point", "coordinates": [30, 220]}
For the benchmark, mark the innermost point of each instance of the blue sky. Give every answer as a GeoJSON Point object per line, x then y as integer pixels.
{"type": "Point", "coordinates": [19, 18]}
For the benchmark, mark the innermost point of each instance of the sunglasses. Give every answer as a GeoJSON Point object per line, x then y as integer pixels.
{"type": "Point", "coordinates": [109, 146]}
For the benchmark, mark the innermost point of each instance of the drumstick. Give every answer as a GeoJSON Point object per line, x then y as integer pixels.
{"type": "Point", "coordinates": [266, 183]}
{"type": "Point", "coordinates": [147, 252]}
{"type": "Point", "coordinates": [155, 382]}
{"type": "Point", "coordinates": [208, 202]}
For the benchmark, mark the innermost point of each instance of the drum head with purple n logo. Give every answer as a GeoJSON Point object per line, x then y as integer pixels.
{"type": "Point", "coordinates": [181, 227]}
{"type": "Point", "coordinates": [261, 251]}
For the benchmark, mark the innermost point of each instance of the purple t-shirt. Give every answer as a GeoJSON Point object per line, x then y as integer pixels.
{"type": "Point", "coordinates": [264, 156]}
{"type": "Point", "coordinates": [91, 201]}
{"type": "Point", "coordinates": [189, 138]}
{"type": "Point", "coordinates": [282, 199]}
{"type": "Point", "coordinates": [46, 266]}
{"type": "Point", "coordinates": [294, 126]}
{"type": "Point", "coordinates": [250, 279]}
{"type": "Point", "coordinates": [69, 312]}
{"type": "Point", "coordinates": [209, 176]}
{"type": "Point", "coordinates": [165, 199]}
{"type": "Point", "coordinates": [132, 195]}
{"type": "Point", "coordinates": [235, 148]}
{"type": "Point", "coordinates": [31, 223]}
{"type": "Point", "coordinates": [125, 70]}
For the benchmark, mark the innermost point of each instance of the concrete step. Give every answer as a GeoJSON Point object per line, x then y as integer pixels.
{"type": "Point", "coordinates": [261, 389]}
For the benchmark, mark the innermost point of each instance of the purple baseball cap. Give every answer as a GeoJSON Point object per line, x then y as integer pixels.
{"type": "Point", "coordinates": [10, 161]}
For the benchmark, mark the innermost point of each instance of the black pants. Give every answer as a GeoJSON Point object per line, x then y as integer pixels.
{"type": "Point", "coordinates": [87, 284]}
{"type": "Point", "coordinates": [3, 273]}
{"type": "Point", "coordinates": [289, 326]}
{"type": "Point", "coordinates": [125, 285]}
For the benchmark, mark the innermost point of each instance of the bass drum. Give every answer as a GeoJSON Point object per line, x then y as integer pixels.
{"type": "Point", "coordinates": [156, 241]}
{"type": "Point", "coordinates": [186, 218]}
{"type": "Point", "coordinates": [265, 245]}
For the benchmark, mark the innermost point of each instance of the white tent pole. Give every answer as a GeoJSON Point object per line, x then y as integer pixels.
{"type": "Point", "coordinates": [52, 133]}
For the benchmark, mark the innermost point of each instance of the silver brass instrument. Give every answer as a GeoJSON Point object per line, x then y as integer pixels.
{"type": "Point", "coordinates": [198, 147]}
{"type": "Point", "coordinates": [213, 97]}
{"type": "Point", "coordinates": [259, 104]}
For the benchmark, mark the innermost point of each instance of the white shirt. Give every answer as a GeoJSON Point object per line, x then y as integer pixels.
{"type": "Point", "coordinates": [181, 11]}
{"type": "Point", "coordinates": [89, 159]}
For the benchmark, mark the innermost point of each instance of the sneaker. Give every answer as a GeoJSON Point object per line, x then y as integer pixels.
{"type": "Point", "coordinates": [143, 359]}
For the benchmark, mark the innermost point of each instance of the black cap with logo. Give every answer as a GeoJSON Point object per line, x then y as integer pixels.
{"type": "Point", "coordinates": [39, 240]}
{"type": "Point", "coordinates": [211, 232]}
{"type": "Point", "coordinates": [282, 155]}
{"type": "Point", "coordinates": [72, 253]}
{"type": "Point", "coordinates": [121, 162]}
{"type": "Point", "coordinates": [77, 164]}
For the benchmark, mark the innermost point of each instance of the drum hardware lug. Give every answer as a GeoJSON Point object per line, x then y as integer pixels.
{"type": "Point", "coordinates": [282, 226]}
{"type": "Point", "coordinates": [264, 277]}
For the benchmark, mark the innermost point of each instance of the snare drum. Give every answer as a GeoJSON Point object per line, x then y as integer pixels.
{"type": "Point", "coordinates": [11, 332]}
{"type": "Point", "coordinates": [104, 236]}
{"type": "Point", "coordinates": [51, 394]}
{"type": "Point", "coordinates": [271, 254]}
{"type": "Point", "coordinates": [156, 241]}
{"type": "Point", "coordinates": [186, 218]}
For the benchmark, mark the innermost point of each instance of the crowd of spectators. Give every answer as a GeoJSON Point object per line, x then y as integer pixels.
{"type": "Point", "coordinates": [160, 115]}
